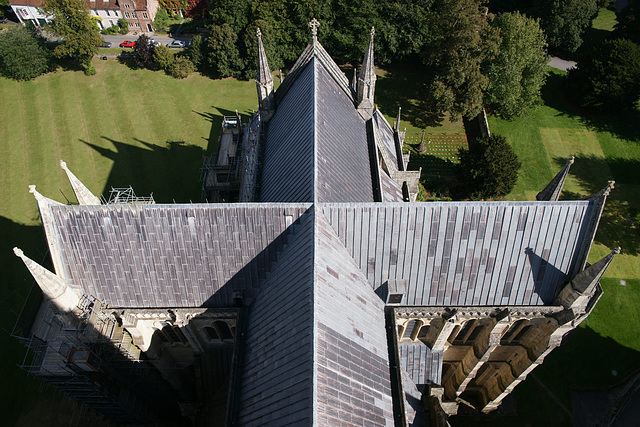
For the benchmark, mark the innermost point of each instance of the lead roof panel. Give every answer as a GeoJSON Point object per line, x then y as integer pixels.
{"type": "Point", "coordinates": [288, 171]}
{"type": "Point", "coordinates": [171, 255]}
{"type": "Point", "coordinates": [343, 167]}
{"type": "Point", "coordinates": [470, 253]}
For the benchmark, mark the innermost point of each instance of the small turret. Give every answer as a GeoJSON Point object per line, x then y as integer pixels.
{"type": "Point", "coordinates": [551, 192]}
{"type": "Point", "coordinates": [53, 287]}
{"type": "Point", "coordinates": [366, 83]}
{"type": "Point", "coordinates": [84, 196]}
{"type": "Point", "coordinates": [576, 294]}
{"type": "Point", "coordinates": [264, 82]}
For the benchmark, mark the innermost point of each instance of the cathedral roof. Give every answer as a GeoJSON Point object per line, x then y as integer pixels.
{"type": "Point", "coordinates": [316, 149]}
{"type": "Point", "coordinates": [312, 258]}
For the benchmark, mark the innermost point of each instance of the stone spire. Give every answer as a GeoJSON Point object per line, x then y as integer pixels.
{"type": "Point", "coordinates": [551, 192]}
{"type": "Point", "coordinates": [354, 80]}
{"type": "Point", "coordinates": [53, 287]}
{"type": "Point", "coordinates": [600, 198]}
{"type": "Point", "coordinates": [366, 82]}
{"type": "Point", "coordinates": [44, 205]}
{"type": "Point", "coordinates": [84, 196]}
{"type": "Point", "coordinates": [396, 125]}
{"type": "Point", "coordinates": [264, 82]}
{"type": "Point", "coordinates": [577, 293]}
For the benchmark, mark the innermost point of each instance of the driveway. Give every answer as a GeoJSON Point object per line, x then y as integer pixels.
{"type": "Point", "coordinates": [561, 64]}
{"type": "Point", "coordinates": [116, 40]}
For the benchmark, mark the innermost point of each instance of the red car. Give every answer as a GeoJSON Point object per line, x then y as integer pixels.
{"type": "Point", "coordinates": [127, 43]}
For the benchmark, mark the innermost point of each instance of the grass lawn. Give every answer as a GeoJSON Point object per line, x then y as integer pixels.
{"type": "Point", "coordinates": [605, 20]}
{"type": "Point", "coordinates": [121, 127]}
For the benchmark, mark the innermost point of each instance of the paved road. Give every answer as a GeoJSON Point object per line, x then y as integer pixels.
{"type": "Point", "coordinates": [561, 64]}
{"type": "Point", "coordinates": [116, 40]}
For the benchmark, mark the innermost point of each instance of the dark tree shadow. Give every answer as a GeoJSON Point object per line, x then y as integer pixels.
{"type": "Point", "coordinates": [623, 124]}
{"type": "Point", "coordinates": [403, 86]}
{"type": "Point", "coordinates": [620, 221]}
{"type": "Point", "coordinates": [437, 176]}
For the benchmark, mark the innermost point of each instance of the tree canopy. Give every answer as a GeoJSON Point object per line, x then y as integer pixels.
{"type": "Point", "coordinates": [517, 71]}
{"type": "Point", "coordinates": [73, 23]}
{"type": "Point", "coordinates": [143, 51]}
{"type": "Point", "coordinates": [628, 25]}
{"type": "Point", "coordinates": [459, 40]}
{"type": "Point", "coordinates": [489, 168]}
{"type": "Point", "coordinates": [608, 77]}
{"type": "Point", "coordinates": [23, 54]}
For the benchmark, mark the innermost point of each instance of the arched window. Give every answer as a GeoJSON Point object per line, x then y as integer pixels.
{"type": "Point", "coordinates": [515, 332]}
{"type": "Point", "coordinates": [211, 333]}
{"type": "Point", "coordinates": [223, 330]}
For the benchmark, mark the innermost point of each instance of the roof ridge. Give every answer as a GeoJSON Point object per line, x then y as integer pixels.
{"type": "Point", "coordinates": [315, 50]}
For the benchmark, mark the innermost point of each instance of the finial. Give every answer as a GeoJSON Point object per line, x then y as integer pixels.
{"type": "Point", "coordinates": [616, 251]}
{"type": "Point", "coordinates": [18, 252]}
{"type": "Point", "coordinates": [32, 190]}
{"type": "Point", "coordinates": [314, 24]}
{"type": "Point", "coordinates": [63, 164]}
{"type": "Point", "coordinates": [373, 31]}
{"type": "Point", "coordinates": [258, 33]}
{"type": "Point", "coordinates": [571, 160]}
{"type": "Point", "coordinates": [610, 186]}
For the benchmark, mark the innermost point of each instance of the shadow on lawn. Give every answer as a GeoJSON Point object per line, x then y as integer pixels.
{"type": "Point", "coordinates": [171, 169]}
{"type": "Point", "coordinates": [19, 391]}
{"type": "Point", "coordinates": [585, 359]}
{"type": "Point", "coordinates": [620, 222]}
{"type": "Point", "coordinates": [403, 86]}
{"type": "Point", "coordinates": [216, 126]}
{"type": "Point", "coordinates": [622, 124]}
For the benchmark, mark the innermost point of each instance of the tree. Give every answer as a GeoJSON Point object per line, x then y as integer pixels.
{"type": "Point", "coordinates": [518, 71]}
{"type": "Point", "coordinates": [564, 21]}
{"type": "Point", "coordinates": [143, 51]}
{"type": "Point", "coordinates": [181, 68]}
{"type": "Point", "coordinates": [197, 52]}
{"type": "Point", "coordinates": [163, 57]}
{"type": "Point", "coordinates": [628, 25]}
{"type": "Point", "coordinates": [4, 4]}
{"type": "Point", "coordinates": [71, 21]}
{"type": "Point", "coordinates": [23, 54]}
{"type": "Point", "coordinates": [489, 168]}
{"type": "Point", "coordinates": [223, 58]}
{"type": "Point", "coordinates": [608, 77]}
{"type": "Point", "coordinates": [459, 41]}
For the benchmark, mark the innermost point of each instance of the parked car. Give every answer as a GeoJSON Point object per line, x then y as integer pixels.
{"type": "Point", "coordinates": [106, 44]}
{"type": "Point", "coordinates": [153, 43]}
{"type": "Point", "coordinates": [127, 43]}
{"type": "Point", "coordinates": [176, 43]}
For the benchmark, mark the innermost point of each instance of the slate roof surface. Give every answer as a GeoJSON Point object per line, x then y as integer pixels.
{"type": "Point", "coordinates": [353, 378]}
{"type": "Point", "coordinates": [316, 145]}
{"type": "Point", "coordinates": [169, 255]}
{"type": "Point", "coordinates": [288, 170]}
{"type": "Point", "coordinates": [468, 253]}
{"type": "Point", "coordinates": [278, 364]}
{"type": "Point", "coordinates": [316, 326]}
